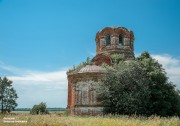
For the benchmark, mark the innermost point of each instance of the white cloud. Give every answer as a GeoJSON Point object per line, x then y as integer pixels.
{"type": "Point", "coordinates": [10, 69]}
{"type": "Point", "coordinates": [171, 65]}
{"type": "Point", "coordinates": [41, 76]}
{"type": "Point", "coordinates": [34, 87]}
{"type": "Point", "coordinates": [167, 60]}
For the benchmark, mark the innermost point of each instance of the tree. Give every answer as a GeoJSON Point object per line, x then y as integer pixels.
{"type": "Point", "coordinates": [39, 109]}
{"type": "Point", "coordinates": [164, 97]}
{"type": "Point", "coordinates": [138, 87]}
{"type": "Point", "coordinates": [8, 95]}
{"type": "Point", "coordinates": [124, 89]}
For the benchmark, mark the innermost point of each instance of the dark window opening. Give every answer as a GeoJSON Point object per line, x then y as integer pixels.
{"type": "Point", "coordinates": [108, 40]}
{"type": "Point", "coordinates": [121, 40]}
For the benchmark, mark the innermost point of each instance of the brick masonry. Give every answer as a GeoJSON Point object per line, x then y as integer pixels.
{"type": "Point", "coordinates": [82, 97]}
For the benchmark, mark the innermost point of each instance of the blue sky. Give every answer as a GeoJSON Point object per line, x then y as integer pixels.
{"type": "Point", "coordinates": [41, 39]}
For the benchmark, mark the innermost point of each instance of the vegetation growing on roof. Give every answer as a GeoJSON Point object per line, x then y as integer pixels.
{"type": "Point", "coordinates": [76, 69]}
{"type": "Point", "coordinates": [116, 58]}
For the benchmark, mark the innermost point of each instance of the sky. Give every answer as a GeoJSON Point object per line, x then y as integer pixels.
{"type": "Point", "coordinates": [41, 39]}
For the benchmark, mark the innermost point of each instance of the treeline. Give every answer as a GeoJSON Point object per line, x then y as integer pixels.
{"type": "Point", "coordinates": [49, 109]}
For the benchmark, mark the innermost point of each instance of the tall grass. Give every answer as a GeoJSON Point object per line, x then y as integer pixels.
{"type": "Point", "coordinates": [57, 120]}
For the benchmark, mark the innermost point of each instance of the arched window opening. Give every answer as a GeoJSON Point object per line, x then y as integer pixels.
{"type": "Point", "coordinates": [121, 40]}
{"type": "Point", "coordinates": [108, 40]}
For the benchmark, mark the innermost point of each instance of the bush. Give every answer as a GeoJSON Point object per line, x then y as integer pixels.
{"type": "Point", "coordinates": [39, 109]}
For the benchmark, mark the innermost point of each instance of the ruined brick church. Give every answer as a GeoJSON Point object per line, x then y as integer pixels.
{"type": "Point", "coordinates": [82, 83]}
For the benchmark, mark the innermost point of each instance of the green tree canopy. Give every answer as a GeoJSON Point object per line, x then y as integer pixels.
{"type": "Point", "coordinates": [124, 89]}
{"type": "Point", "coordinates": [39, 109]}
{"type": "Point", "coordinates": [164, 97]}
{"type": "Point", "coordinates": [8, 95]}
{"type": "Point", "coordinates": [138, 87]}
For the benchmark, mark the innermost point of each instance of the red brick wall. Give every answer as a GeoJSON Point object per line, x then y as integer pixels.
{"type": "Point", "coordinates": [100, 59]}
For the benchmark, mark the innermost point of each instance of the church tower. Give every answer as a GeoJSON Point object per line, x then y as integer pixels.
{"type": "Point", "coordinates": [113, 40]}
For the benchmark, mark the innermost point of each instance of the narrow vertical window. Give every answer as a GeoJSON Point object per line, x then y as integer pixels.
{"type": "Point", "coordinates": [108, 40]}
{"type": "Point", "coordinates": [77, 98]}
{"type": "Point", "coordinates": [121, 40]}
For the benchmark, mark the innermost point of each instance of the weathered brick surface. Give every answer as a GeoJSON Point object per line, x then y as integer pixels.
{"type": "Point", "coordinates": [101, 58]}
{"type": "Point", "coordinates": [82, 97]}
{"type": "Point", "coordinates": [82, 93]}
{"type": "Point", "coordinates": [127, 37]}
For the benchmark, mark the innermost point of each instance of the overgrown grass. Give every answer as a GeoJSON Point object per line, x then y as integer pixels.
{"type": "Point", "coordinates": [59, 120]}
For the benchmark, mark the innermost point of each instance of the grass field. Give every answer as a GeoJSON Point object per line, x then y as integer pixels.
{"type": "Point", "coordinates": [57, 120]}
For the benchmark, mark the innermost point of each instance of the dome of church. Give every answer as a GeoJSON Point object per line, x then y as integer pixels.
{"type": "Point", "coordinates": [92, 69]}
